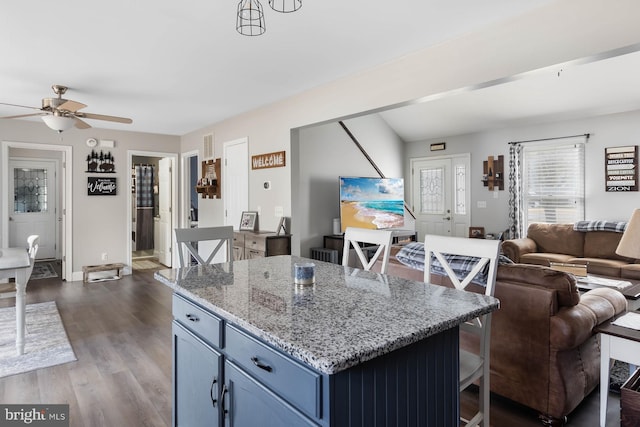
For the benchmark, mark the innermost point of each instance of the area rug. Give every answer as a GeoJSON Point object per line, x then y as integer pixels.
{"type": "Point", "coordinates": [43, 270]}
{"type": "Point", "coordinates": [46, 341]}
{"type": "Point", "coordinates": [145, 265]}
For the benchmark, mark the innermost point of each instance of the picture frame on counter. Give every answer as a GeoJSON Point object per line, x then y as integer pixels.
{"type": "Point", "coordinates": [249, 221]}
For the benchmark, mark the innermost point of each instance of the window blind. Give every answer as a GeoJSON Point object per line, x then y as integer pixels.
{"type": "Point", "coordinates": [553, 182]}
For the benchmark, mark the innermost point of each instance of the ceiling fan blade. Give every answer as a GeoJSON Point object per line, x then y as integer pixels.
{"type": "Point", "coordinates": [81, 124]}
{"type": "Point", "coordinates": [72, 106]}
{"type": "Point", "coordinates": [103, 117]}
{"type": "Point", "coordinates": [23, 115]}
{"type": "Point", "coordinates": [21, 106]}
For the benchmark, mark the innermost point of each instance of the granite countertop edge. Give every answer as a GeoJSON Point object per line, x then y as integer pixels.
{"type": "Point", "coordinates": [339, 363]}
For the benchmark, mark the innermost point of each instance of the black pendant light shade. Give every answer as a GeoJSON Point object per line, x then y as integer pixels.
{"type": "Point", "coordinates": [285, 6]}
{"type": "Point", "coordinates": [250, 19]}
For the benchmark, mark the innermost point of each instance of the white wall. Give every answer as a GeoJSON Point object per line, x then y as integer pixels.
{"type": "Point", "coordinates": [606, 131]}
{"type": "Point", "coordinates": [99, 222]}
{"type": "Point", "coordinates": [325, 152]}
{"type": "Point", "coordinates": [558, 32]}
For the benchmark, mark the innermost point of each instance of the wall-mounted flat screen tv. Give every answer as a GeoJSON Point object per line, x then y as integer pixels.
{"type": "Point", "coordinates": [376, 203]}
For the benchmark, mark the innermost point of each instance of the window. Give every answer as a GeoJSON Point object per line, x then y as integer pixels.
{"type": "Point", "coordinates": [553, 182]}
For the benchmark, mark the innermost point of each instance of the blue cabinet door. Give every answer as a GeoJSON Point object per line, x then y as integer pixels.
{"type": "Point", "coordinates": [196, 381]}
{"type": "Point", "coordinates": [247, 403]}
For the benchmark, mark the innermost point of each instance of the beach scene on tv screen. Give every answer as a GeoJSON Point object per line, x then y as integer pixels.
{"type": "Point", "coordinates": [371, 202]}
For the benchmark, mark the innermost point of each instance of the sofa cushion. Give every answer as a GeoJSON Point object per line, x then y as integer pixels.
{"type": "Point", "coordinates": [564, 284]}
{"type": "Point", "coordinates": [544, 258]}
{"type": "Point", "coordinates": [602, 244]}
{"type": "Point", "coordinates": [630, 271]}
{"type": "Point", "coordinates": [557, 238]}
{"type": "Point", "coordinates": [604, 267]}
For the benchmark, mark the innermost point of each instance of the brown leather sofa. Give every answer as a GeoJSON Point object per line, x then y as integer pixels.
{"type": "Point", "coordinates": [547, 243]}
{"type": "Point", "coordinates": [544, 353]}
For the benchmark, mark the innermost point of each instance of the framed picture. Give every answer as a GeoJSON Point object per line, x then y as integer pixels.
{"type": "Point", "coordinates": [476, 232]}
{"type": "Point", "coordinates": [249, 221]}
{"type": "Point", "coordinates": [282, 226]}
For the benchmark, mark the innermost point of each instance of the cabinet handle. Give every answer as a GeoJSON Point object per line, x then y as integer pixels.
{"type": "Point", "coordinates": [261, 365]}
{"type": "Point", "coordinates": [214, 401]}
{"type": "Point", "coordinates": [192, 317]}
{"type": "Point", "coordinates": [222, 394]}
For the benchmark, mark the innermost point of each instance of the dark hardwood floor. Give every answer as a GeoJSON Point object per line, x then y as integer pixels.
{"type": "Point", "coordinates": [121, 334]}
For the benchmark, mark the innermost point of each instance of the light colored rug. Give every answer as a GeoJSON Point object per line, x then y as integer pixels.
{"type": "Point", "coordinates": [145, 264]}
{"type": "Point", "coordinates": [42, 270]}
{"type": "Point", "coordinates": [46, 342]}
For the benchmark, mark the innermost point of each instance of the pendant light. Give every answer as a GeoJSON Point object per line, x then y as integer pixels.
{"type": "Point", "coordinates": [285, 6]}
{"type": "Point", "coordinates": [250, 19]}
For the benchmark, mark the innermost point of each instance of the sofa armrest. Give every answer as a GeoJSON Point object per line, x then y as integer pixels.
{"type": "Point", "coordinates": [515, 247]}
{"type": "Point", "coordinates": [571, 326]}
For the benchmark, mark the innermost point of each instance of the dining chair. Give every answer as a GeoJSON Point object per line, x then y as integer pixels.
{"type": "Point", "coordinates": [461, 260]}
{"type": "Point", "coordinates": [8, 290]}
{"type": "Point", "coordinates": [354, 236]}
{"type": "Point", "coordinates": [34, 243]}
{"type": "Point", "coordinates": [190, 237]}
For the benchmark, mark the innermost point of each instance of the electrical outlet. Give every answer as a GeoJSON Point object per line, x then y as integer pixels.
{"type": "Point", "coordinates": [482, 204]}
{"type": "Point", "coordinates": [279, 212]}
{"type": "Point", "coordinates": [104, 256]}
{"type": "Point", "coordinates": [259, 210]}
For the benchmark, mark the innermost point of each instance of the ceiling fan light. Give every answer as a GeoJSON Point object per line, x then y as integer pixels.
{"type": "Point", "coordinates": [285, 6]}
{"type": "Point", "coordinates": [59, 123]}
{"type": "Point", "coordinates": [250, 19]}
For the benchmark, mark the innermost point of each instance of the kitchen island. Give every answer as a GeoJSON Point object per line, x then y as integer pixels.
{"type": "Point", "coordinates": [356, 348]}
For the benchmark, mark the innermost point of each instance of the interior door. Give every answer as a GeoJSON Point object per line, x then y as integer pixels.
{"type": "Point", "coordinates": [163, 246]}
{"type": "Point", "coordinates": [440, 196]}
{"type": "Point", "coordinates": [236, 181]}
{"type": "Point", "coordinates": [33, 206]}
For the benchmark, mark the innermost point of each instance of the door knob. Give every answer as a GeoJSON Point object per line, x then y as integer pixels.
{"type": "Point", "coordinates": [447, 218]}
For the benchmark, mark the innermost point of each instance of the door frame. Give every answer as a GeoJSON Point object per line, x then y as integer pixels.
{"type": "Point", "coordinates": [56, 163]}
{"type": "Point", "coordinates": [185, 185]}
{"type": "Point", "coordinates": [235, 222]}
{"type": "Point", "coordinates": [66, 195]}
{"type": "Point", "coordinates": [467, 158]}
{"type": "Point", "coordinates": [175, 208]}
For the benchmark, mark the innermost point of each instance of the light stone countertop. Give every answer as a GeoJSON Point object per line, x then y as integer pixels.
{"type": "Point", "coordinates": [349, 316]}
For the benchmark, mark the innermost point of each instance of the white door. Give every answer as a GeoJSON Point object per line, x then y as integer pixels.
{"type": "Point", "coordinates": [163, 246]}
{"type": "Point", "coordinates": [32, 208]}
{"type": "Point", "coordinates": [440, 195]}
{"type": "Point", "coordinates": [236, 181]}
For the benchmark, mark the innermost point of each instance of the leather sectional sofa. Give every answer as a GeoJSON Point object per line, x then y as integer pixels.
{"type": "Point", "coordinates": [547, 243]}
{"type": "Point", "coordinates": [544, 352]}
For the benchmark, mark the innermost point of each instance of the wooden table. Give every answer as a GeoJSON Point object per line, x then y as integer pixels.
{"type": "Point", "coordinates": [15, 263]}
{"type": "Point", "coordinates": [618, 343]}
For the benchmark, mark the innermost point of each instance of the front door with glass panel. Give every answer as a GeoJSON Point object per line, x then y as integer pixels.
{"type": "Point", "coordinates": [32, 207]}
{"type": "Point", "coordinates": [440, 196]}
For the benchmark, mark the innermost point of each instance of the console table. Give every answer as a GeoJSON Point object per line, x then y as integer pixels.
{"type": "Point", "coordinates": [258, 244]}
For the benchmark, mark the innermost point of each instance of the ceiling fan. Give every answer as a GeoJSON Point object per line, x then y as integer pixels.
{"type": "Point", "coordinates": [62, 114]}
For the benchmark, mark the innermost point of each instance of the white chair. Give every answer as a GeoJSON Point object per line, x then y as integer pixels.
{"type": "Point", "coordinates": [8, 290]}
{"type": "Point", "coordinates": [354, 236]}
{"type": "Point", "coordinates": [472, 366]}
{"type": "Point", "coordinates": [189, 237]}
{"type": "Point", "coordinates": [34, 243]}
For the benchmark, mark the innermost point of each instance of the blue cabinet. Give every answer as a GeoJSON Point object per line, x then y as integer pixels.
{"type": "Point", "coordinates": [224, 375]}
{"type": "Point", "coordinates": [248, 403]}
{"type": "Point", "coordinates": [196, 380]}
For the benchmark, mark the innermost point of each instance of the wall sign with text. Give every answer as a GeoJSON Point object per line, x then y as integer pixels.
{"type": "Point", "coordinates": [269, 160]}
{"type": "Point", "coordinates": [101, 186]}
{"type": "Point", "coordinates": [621, 168]}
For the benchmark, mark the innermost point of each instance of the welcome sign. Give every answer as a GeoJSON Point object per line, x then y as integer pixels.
{"type": "Point", "coordinates": [101, 186]}
{"type": "Point", "coordinates": [268, 160]}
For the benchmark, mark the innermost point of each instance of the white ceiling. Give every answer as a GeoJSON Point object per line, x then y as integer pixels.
{"type": "Point", "coordinates": [563, 92]}
{"type": "Point", "coordinates": [174, 67]}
